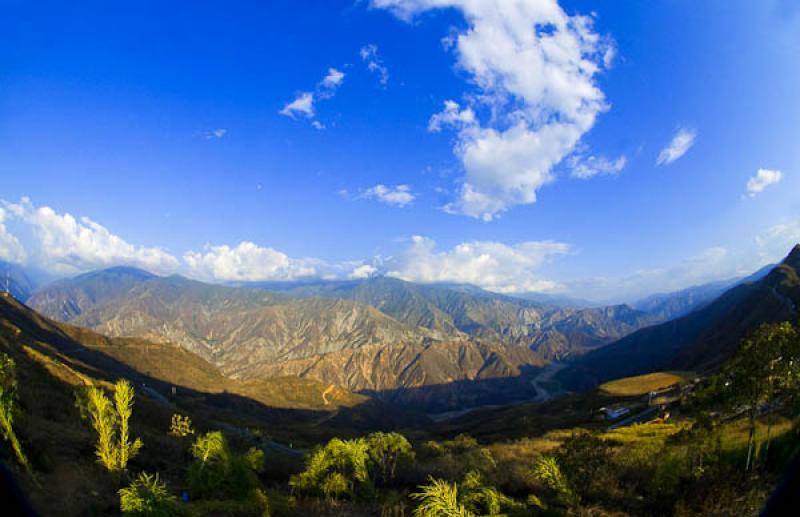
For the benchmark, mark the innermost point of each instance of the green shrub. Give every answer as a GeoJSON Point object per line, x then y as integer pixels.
{"type": "Point", "coordinates": [8, 400]}
{"type": "Point", "coordinates": [439, 499]}
{"type": "Point", "coordinates": [547, 470]}
{"type": "Point", "coordinates": [218, 473]}
{"type": "Point", "coordinates": [148, 496]}
{"type": "Point", "coordinates": [388, 451]}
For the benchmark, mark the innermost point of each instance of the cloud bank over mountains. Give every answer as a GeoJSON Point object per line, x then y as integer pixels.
{"type": "Point", "coordinates": [65, 245]}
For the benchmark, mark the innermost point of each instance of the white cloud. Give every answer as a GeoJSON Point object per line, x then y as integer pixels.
{"type": "Point", "coordinates": [363, 271]}
{"type": "Point", "coordinates": [490, 265]}
{"type": "Point", "coordinates": [333, 79]}
{"type": "Point", "coordinates": [585, 167]}
{"type": "Point", "coordinates": [215, 133]}
{"type": "Point", "coordinates": [10, 248]}
{"type": "Point", "coordinates": [763, 179]}
{"type": "Point", "coordinates": [247, 262]}
{"type": "Point", "coordinates": [451, 116]}
{"type": "Point", "coordinates": [677, 147]}
{"type": "Point", "coordinates": [399, 195]}
{"type": "Point", "coordinates": [303, 104]}
{"type": "Point", "coordinates": [533, 67]}
{"type": "Point", "coordinates": [60, 243]}
{"type": "Point", "coordinates": [369, 55]}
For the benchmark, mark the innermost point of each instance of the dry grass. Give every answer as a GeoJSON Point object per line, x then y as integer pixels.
{"type": "Point", "coordinates": [643, 384]}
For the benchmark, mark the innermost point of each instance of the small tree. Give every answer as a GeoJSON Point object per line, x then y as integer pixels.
{"type": "Point", "coordinates": [110, 421]}
{"type": "Point", "coordinates": [8, 400]}
{"type": "Point", "coordinates": [386, 452]}
{"type": "Point", "coordinates": [336, 470]}
{"type": "Point", "coordinates": [763, 366]}
{"type": "Point", "coordinates": [148, 496]}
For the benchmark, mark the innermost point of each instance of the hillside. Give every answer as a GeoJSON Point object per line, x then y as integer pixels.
{"type": "Point", "coordinates": [701, 339]}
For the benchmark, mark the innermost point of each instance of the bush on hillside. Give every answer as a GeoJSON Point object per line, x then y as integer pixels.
{"type": "Point", "coordinates": [148, 496]}
{"type": "Point", "coordinates": [219, 473]}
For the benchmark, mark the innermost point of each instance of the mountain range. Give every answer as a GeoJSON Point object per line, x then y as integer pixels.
{"type": "Point", "coordinates": [435, 346]}
{"type": "Point", "coordinates": [700, 340]}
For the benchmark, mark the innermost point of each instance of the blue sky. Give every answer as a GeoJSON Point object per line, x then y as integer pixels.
{"type": "Point", "coordinates": [170, 128]}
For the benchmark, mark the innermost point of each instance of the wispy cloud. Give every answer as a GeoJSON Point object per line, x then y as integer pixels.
{"type": "Point", "coordinates": [369, 55]}
{"type": "Point", "coordinates": [677, 147]}
{"type": "Point", "coordinates": [586, 167]}
{"type": "Point", "coordinates": [398, 195]}
{"type": "Point", "coordinates": [763, 179]}
{"type": "Point", "coordinates": [304, 102]}
{"type": "Point", "coordinates": [215, 133]}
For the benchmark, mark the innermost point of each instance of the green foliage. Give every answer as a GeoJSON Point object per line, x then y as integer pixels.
{"type": "Point", "coordinates": [547, 470]}
{"type": "Point", "coordinates": [387, 451]}
{"type": "Point", "coordinates": [584, 459]}
{"type": "Point", "coordinates": [473, 497]}
{"type": "Point", "coordinates": [452, 459]}
{"type": "Point", "coordinates": [439, 499]}
{"type": "Point", "coordinates": [219, 473]}
{"type": "Point", "coordinates": [110, 421]}
{"type": "Point", "coordinates": [181, 426]}
{"type": "Point", "coordinates": [337, 470]}
{"type": "Point", "coordinates": [8, 399]}
{"type": "Point", "coordinates": [766, 365]}
{"type": "Point", "coordinates": [148, 496]}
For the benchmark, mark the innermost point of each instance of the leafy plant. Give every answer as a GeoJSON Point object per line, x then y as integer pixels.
{"type": "Point", "coordinates": [8, 399]}
{"type": "Point", "coordinates": [110, 421]}
{"type": "Point", "coordinates": [547, 470]}
{"type": "Point", "coordinates": [181, 426]}
{"type": "Point", "coordinates": [148, 496]}
{"type": "Point", "coordinates": [439, 499]}
{"type": "Point", "coordinates": [219, 473]}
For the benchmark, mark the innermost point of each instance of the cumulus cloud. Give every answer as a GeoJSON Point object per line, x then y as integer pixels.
{"type": "Point", "coordinates": [10, 248]}
{"type": "Point", "coordinates": [490, 265]}
{"type": "Point", "coordinates": [398, 195]}
{"type": "Point", "coordinates": [247, 262]}
{"type": "Point", "coordinates": [533, 68]}
{"type": "Point", "coordinates": [586, 167]}
{"type": "Point", "coordinates": [363, 271]}
{"type": "Point", "coordinates": [369, 55]}
{"type": "Point", "coordinates": [677, 147]}
{"type": "Point", "coordinates": [303, 104]}
{"type": "Point", "coordinates": [62, 244]}
{"type": "Point", "coordinates": [763, 179]}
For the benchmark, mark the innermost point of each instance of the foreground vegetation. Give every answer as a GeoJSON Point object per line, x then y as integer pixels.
{"type": "Point", "coordinates": [718, 449]}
